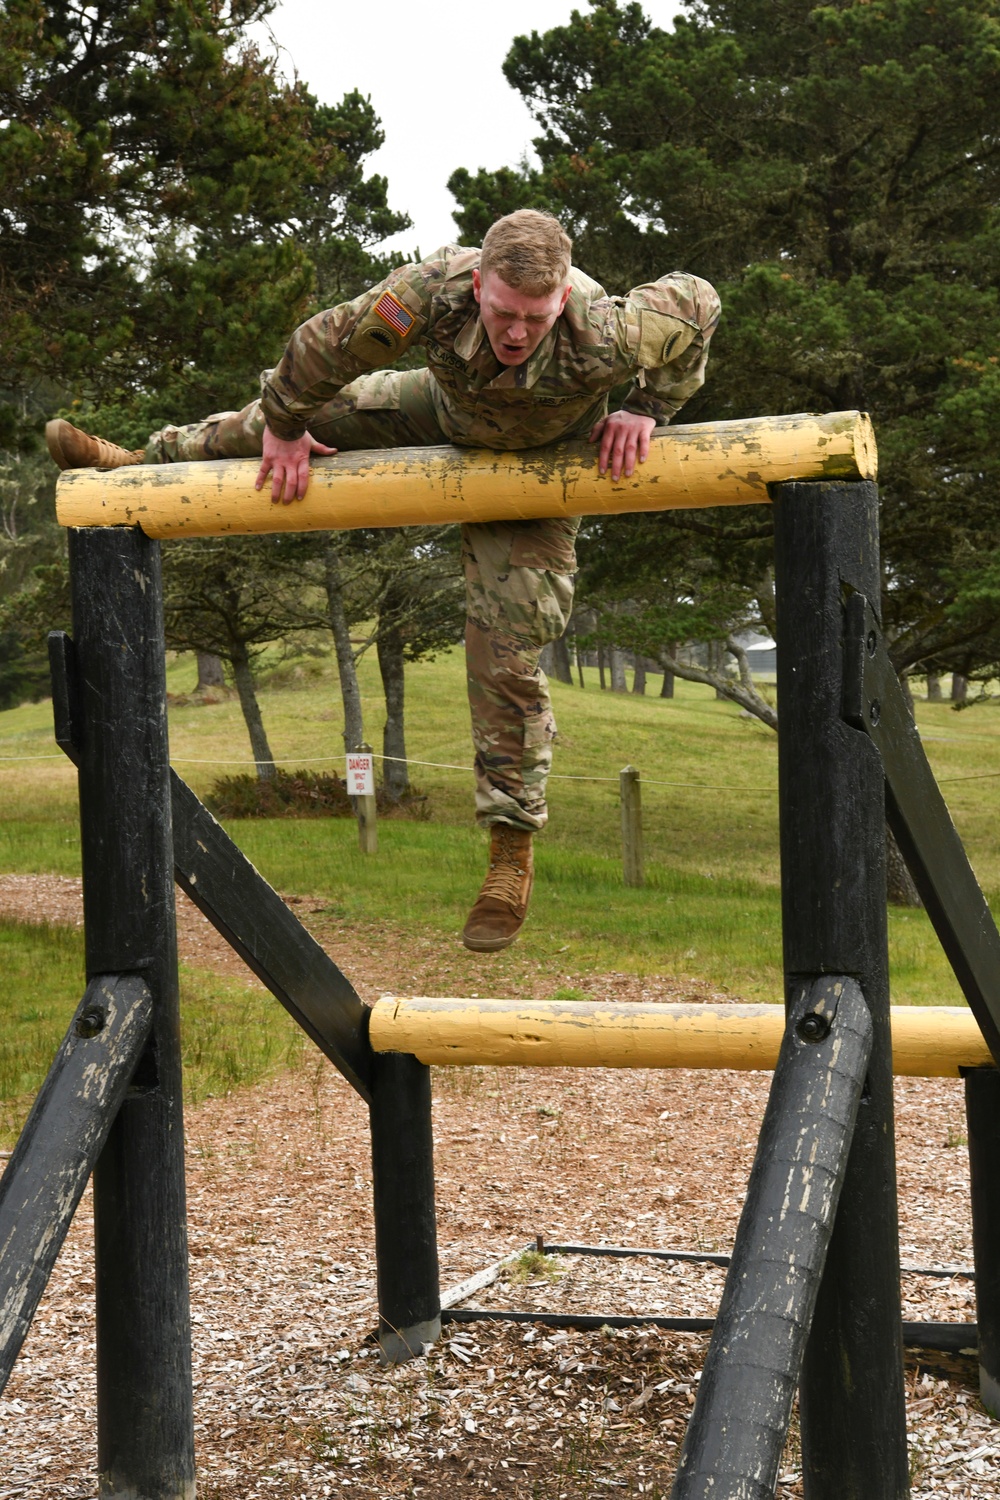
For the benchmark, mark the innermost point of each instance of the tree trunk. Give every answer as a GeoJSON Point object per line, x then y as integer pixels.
{"type": "Point", "coordinates": [959, 688]}
{"type": "Point", "coordinates": [561, 668]}
{"type": "Point", "coordinates": [210, 673]}
{"type": "Point", "coordinates": [395, 776]}
{"type": "Point", "coordinates": [618, 683]}
{"type": "Point", "coordinates": [554, 660]}
{"type": "Point", "coordinates": [600, 667]}
{"type": "Point", "coordinates": [639, 680]}
{"type": "Point", "coordinates": [899, 887]}
{"type": "Point", "coordinates": [260, 749]}
{"type": "Point", "coordinates": [667, 690]}
{"type": "Point", "coordinates": [716, 662]}
{"type": "Point", "coordinates": [934, 694]}
{"type": "Point", "coordinates": [354, 728]}
{"type": "Point", "coordinates": [904, 682]}
{"type": "Point", "coordinates": [579, 665]}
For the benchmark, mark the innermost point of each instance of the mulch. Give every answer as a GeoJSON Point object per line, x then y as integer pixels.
{"type": "Point", "coordinates": [290, 1398]}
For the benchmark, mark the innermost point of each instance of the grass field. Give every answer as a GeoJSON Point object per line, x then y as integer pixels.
{"type": "Point", "coordinates": [709, 910]}
{"type": "Point", "coordinates": [233, 1035]}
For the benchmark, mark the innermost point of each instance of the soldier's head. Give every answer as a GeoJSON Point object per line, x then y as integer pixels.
{"type": "Point", "coordinates": [522, 282]}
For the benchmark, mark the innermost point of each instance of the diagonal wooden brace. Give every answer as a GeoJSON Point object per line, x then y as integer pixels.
{"type": "Point", "coordinates": [735, 1439]}
{"type": "Point", "coordinates": [919, 818]}
{"type": "Point", "coordinates": [60, 1143]}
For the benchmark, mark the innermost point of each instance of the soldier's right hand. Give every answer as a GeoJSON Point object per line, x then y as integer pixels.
{"type": "Point", "coordinates": [288, 464]}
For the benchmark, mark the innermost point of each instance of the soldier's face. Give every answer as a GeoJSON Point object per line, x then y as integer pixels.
{"type": "Point", "coordinates": [515, 323]}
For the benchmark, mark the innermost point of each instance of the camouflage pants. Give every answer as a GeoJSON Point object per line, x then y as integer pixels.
{"type": "Point", "coordinates": [518, 581]}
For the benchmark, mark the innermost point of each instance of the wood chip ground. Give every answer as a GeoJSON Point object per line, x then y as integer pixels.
{"type": "Point", "coordinates": [290, 1400]}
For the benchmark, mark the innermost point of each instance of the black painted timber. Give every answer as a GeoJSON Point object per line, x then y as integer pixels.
{"type": "Point", "coordinates": [949, 1338]}
{"type": "Point", "coordinates": [982, 1111]}
{"type": "Point", "coordinates": [409, 1287]}
{"type": "Point", "coordinates": [65, 694]}
{"type": "Point", "coordinates": [574, 1320]}
{"type": "Point", "coordinates": [145, 1429]}
{"type": "Point", "coordinates": [919, 818]}
{"type": "Point", "coordinates": [270, 939]}
{"type": "Point", "coordinates": [735, 1439]}
{"type": "Point", "coordinates": [832, 812]}
{"type": "Point", "coordinates": [61, 1140]}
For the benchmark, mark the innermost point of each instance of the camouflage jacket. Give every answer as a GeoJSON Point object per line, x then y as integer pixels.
{"type": "Point", "coordinates": [657, 337]}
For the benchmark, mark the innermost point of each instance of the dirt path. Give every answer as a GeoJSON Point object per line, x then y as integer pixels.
{"type": "Point", "coordinates": [289, 1399]}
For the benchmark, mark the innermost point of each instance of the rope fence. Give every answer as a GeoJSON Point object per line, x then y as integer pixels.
{"type": "Point", "coordinates": [443, 765]}
{"type": "Point", "coordinates": [409, 760]}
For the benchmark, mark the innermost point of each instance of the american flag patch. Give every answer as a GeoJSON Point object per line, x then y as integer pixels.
{"type": "Point", "coordinates": [392, 311]}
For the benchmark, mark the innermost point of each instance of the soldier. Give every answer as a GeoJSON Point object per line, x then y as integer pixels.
{"type": "Point", "coordinates": [522, 349]}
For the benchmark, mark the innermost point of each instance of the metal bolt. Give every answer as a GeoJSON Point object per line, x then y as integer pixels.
{"type": "Point", "coordinates": [871, 642]}
{"type": "Point", "coordinates": [813, 1027]}
{"type": "Point", "coordinates": [91, 1022]}
{"type": "Point", "coordinates": [874, 711]}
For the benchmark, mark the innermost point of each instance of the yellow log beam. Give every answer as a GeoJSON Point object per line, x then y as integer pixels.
{"type": "Point", "coordinates": [927, 1041]}
{"type": "Point", "coordinates": [716, 463]}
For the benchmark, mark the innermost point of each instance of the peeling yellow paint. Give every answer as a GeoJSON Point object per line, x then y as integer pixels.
{"type": "Point", "coordinates": [713, 463]}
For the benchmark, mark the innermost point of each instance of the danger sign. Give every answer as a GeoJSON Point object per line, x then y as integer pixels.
{"type": "Point", "coordinates": [360, 774]}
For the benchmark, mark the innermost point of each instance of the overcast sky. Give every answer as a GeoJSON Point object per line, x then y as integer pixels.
{"type": "Point", "coordinates": [434, 76]}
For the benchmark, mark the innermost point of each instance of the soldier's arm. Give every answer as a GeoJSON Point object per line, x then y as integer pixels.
{"type": "Point", "coordinates": [668, 326]}
{"type": "Point", "coordinates": [326, 353]}
{"type": "Point", "coordinates": [663, 331]}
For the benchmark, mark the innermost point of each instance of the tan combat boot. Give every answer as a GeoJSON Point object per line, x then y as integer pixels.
{"type": "Point", "coordinates": [502, 904]}
{"type": "Point", "coordinates": [73, 449]}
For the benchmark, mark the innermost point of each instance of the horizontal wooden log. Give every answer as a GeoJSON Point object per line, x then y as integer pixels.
{"type": "Point", "coordinates": [61, 1140]}
{"type": "Point", "coordinates": [927, 1041]}
{"type": "Point", "coordinates": [713, 463]}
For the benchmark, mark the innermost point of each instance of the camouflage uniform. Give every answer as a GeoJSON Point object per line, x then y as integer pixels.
{"type": "Point", "coordinates": [519, 576]}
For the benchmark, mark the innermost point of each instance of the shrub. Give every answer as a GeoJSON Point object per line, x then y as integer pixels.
{"type": "Point", "coordinates": [300, 794]}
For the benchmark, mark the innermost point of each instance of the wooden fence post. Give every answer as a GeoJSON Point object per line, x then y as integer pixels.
{"type": "Point", "coordinates": [364, 800]}
{"type": "Point", "coordinates": [631, 826]}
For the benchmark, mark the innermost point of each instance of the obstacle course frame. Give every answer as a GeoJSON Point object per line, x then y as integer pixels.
{"type": "Point", "coordinates": [812, 1298]}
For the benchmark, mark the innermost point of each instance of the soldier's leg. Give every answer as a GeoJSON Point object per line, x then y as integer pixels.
{"type": "Point", "coordinates": [225, 434]}
{"type": "Point", "coordinates": [519, 584]}
{"type": "Point", "coordinates": [387, 409]}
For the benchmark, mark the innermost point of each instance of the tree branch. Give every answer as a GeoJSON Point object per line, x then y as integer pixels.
{"type": "Point", "coordinates": [742, 692]}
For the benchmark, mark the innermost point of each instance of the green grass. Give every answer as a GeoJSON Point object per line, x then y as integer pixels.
{"type": "Point", "coordinates": [709, 910]}
{"type": "Point", "coordinates": [231, 1035]}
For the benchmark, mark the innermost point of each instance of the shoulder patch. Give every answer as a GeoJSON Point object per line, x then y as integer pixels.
{"type": "Point", "coordinates": [391, 311]}
{"type": "Point", "coordinates": [662, 338]}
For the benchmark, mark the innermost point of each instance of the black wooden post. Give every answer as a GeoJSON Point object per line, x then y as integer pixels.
{"type": "Point", "coordinates": [409, 1290]}
{"type": "Point", "coordinates": [145, 1429]}
{"type": "Point", "coordinates": [734, 1442]}
{"type": "Point", "coordinates": [982, 1109]}
{"type": "Point", "coordinates": [832, 805]}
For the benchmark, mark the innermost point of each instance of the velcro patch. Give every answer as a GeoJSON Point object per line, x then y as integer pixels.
{"type": "Point", "coordinates": [392, 311]}
{"type": "Point", "coordinates": [661, 338]}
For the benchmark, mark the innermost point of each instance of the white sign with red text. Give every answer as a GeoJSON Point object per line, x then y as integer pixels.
{"type": "Point", "coordinates": [360, 774]}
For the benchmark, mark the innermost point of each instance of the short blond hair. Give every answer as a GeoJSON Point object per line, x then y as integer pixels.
{"type": "Point", "coordinates": [529, 251]}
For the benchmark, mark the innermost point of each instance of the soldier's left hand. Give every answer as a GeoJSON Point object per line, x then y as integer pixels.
{"type": "Point", "coordinates": [624, 437]}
